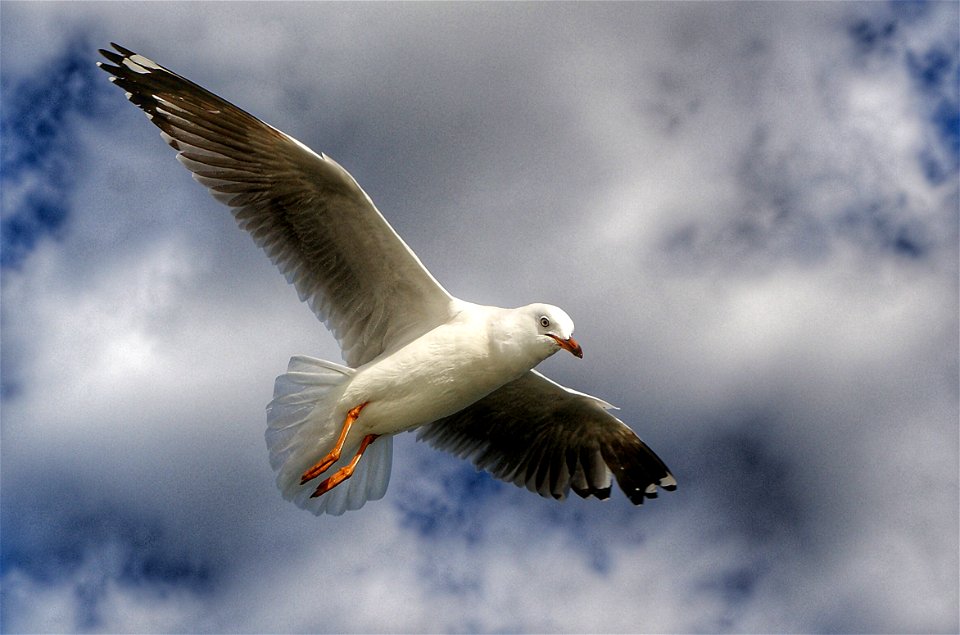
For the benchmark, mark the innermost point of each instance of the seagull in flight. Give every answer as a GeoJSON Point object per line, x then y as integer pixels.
{"type": "Point", "coordinates": [417, 357]}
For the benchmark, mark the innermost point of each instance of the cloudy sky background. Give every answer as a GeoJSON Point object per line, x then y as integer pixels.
{"type": "Point", "coordinates": [749, 210]}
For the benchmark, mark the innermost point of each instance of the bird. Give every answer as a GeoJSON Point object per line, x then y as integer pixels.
{"type": "Point", "coordinates": [417, 358]}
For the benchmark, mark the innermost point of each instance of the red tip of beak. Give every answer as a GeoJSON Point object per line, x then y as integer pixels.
{"type": "Point", "coordinates": [569, 345]}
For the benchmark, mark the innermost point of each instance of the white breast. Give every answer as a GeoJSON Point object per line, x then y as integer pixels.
{"type": "Point", "coordinates": [442, 372]}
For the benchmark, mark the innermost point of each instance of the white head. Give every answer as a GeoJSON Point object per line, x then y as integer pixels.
{"type": "Point", "coordinates": [553, 326]}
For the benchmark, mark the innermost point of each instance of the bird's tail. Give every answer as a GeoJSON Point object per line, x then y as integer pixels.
{"type": "Point", "coordinates": [302, 427]}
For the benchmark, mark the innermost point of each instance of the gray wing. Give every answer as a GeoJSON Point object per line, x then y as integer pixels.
{"type": "Point", "coordinates": [305, 211]}
{"type": "Point", "coordinates": [537, 434]}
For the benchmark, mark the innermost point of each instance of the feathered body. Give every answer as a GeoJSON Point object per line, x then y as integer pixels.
{"type": "Point", "coordinates": [447, 369]}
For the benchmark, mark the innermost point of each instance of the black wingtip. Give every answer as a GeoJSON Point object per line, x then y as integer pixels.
{"type": "Point", "coordinates": [112, 57]}
{"type": "Point", "coordinates": [121, 53]}
{"type": "Point", "coordinates": [638, 470]}
{"type": "Point", "coordinates": [125, 51]}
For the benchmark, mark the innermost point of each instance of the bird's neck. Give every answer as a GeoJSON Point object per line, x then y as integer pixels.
{"type": "Point", "coordinates": [512, 343]}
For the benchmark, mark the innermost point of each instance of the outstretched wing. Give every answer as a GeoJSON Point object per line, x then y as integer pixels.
{"type": "Point", "coordinates": [537, 434]}
{"type": "Point", "coordinates": [305, 211]}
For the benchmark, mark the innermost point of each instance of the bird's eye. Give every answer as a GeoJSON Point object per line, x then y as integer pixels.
{"type": "Point", "coordinates": [544, 321]}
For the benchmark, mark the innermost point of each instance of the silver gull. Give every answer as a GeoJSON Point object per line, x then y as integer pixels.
{"type": "Point", "coordinates": [417, 356]}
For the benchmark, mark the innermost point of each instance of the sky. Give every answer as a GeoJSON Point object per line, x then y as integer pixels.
{"type": "Point", "coordinates": [749, 210]}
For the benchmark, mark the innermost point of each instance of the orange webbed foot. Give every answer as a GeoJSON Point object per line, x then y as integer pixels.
{"type": "Point", "coordinates": [346, 471]}
{"type": "Point", "coordinates": [334, 455]}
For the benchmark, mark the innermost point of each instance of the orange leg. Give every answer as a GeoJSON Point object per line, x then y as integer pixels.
{"type": "Point", "coordinates": [334, 455]}
{"type": "Point", "coordinates": [346, 471]}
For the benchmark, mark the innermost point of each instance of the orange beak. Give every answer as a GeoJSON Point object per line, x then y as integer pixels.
{"type": "Point", "coordinates": [569, 345]}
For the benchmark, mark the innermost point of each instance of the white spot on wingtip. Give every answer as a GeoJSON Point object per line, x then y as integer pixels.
{"type": "Point", "coordinates": [651, 489]}
{"type": "Point", "coordinates": [668, 481]}
{"type": "Point", "coordinates": [146, 63]}
{"type": "Point", "coordinates": [129, 63]}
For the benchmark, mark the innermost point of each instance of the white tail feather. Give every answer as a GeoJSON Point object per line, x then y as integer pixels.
{"type": "Point", "coordinates": [302, 426]}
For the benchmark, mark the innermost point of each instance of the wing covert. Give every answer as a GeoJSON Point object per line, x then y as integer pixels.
{"type": "Point", "coordinates": [303, 209]}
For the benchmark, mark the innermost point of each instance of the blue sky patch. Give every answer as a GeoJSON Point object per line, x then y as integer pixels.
{"type": "Point", "coordinates": [39, 157]}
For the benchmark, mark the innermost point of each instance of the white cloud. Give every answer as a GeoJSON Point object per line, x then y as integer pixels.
{"type": "Point", "coordinates": [676, 176]}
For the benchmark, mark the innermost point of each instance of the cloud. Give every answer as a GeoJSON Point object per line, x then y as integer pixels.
{"type": "Point", "coordinates": [749, 211]}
